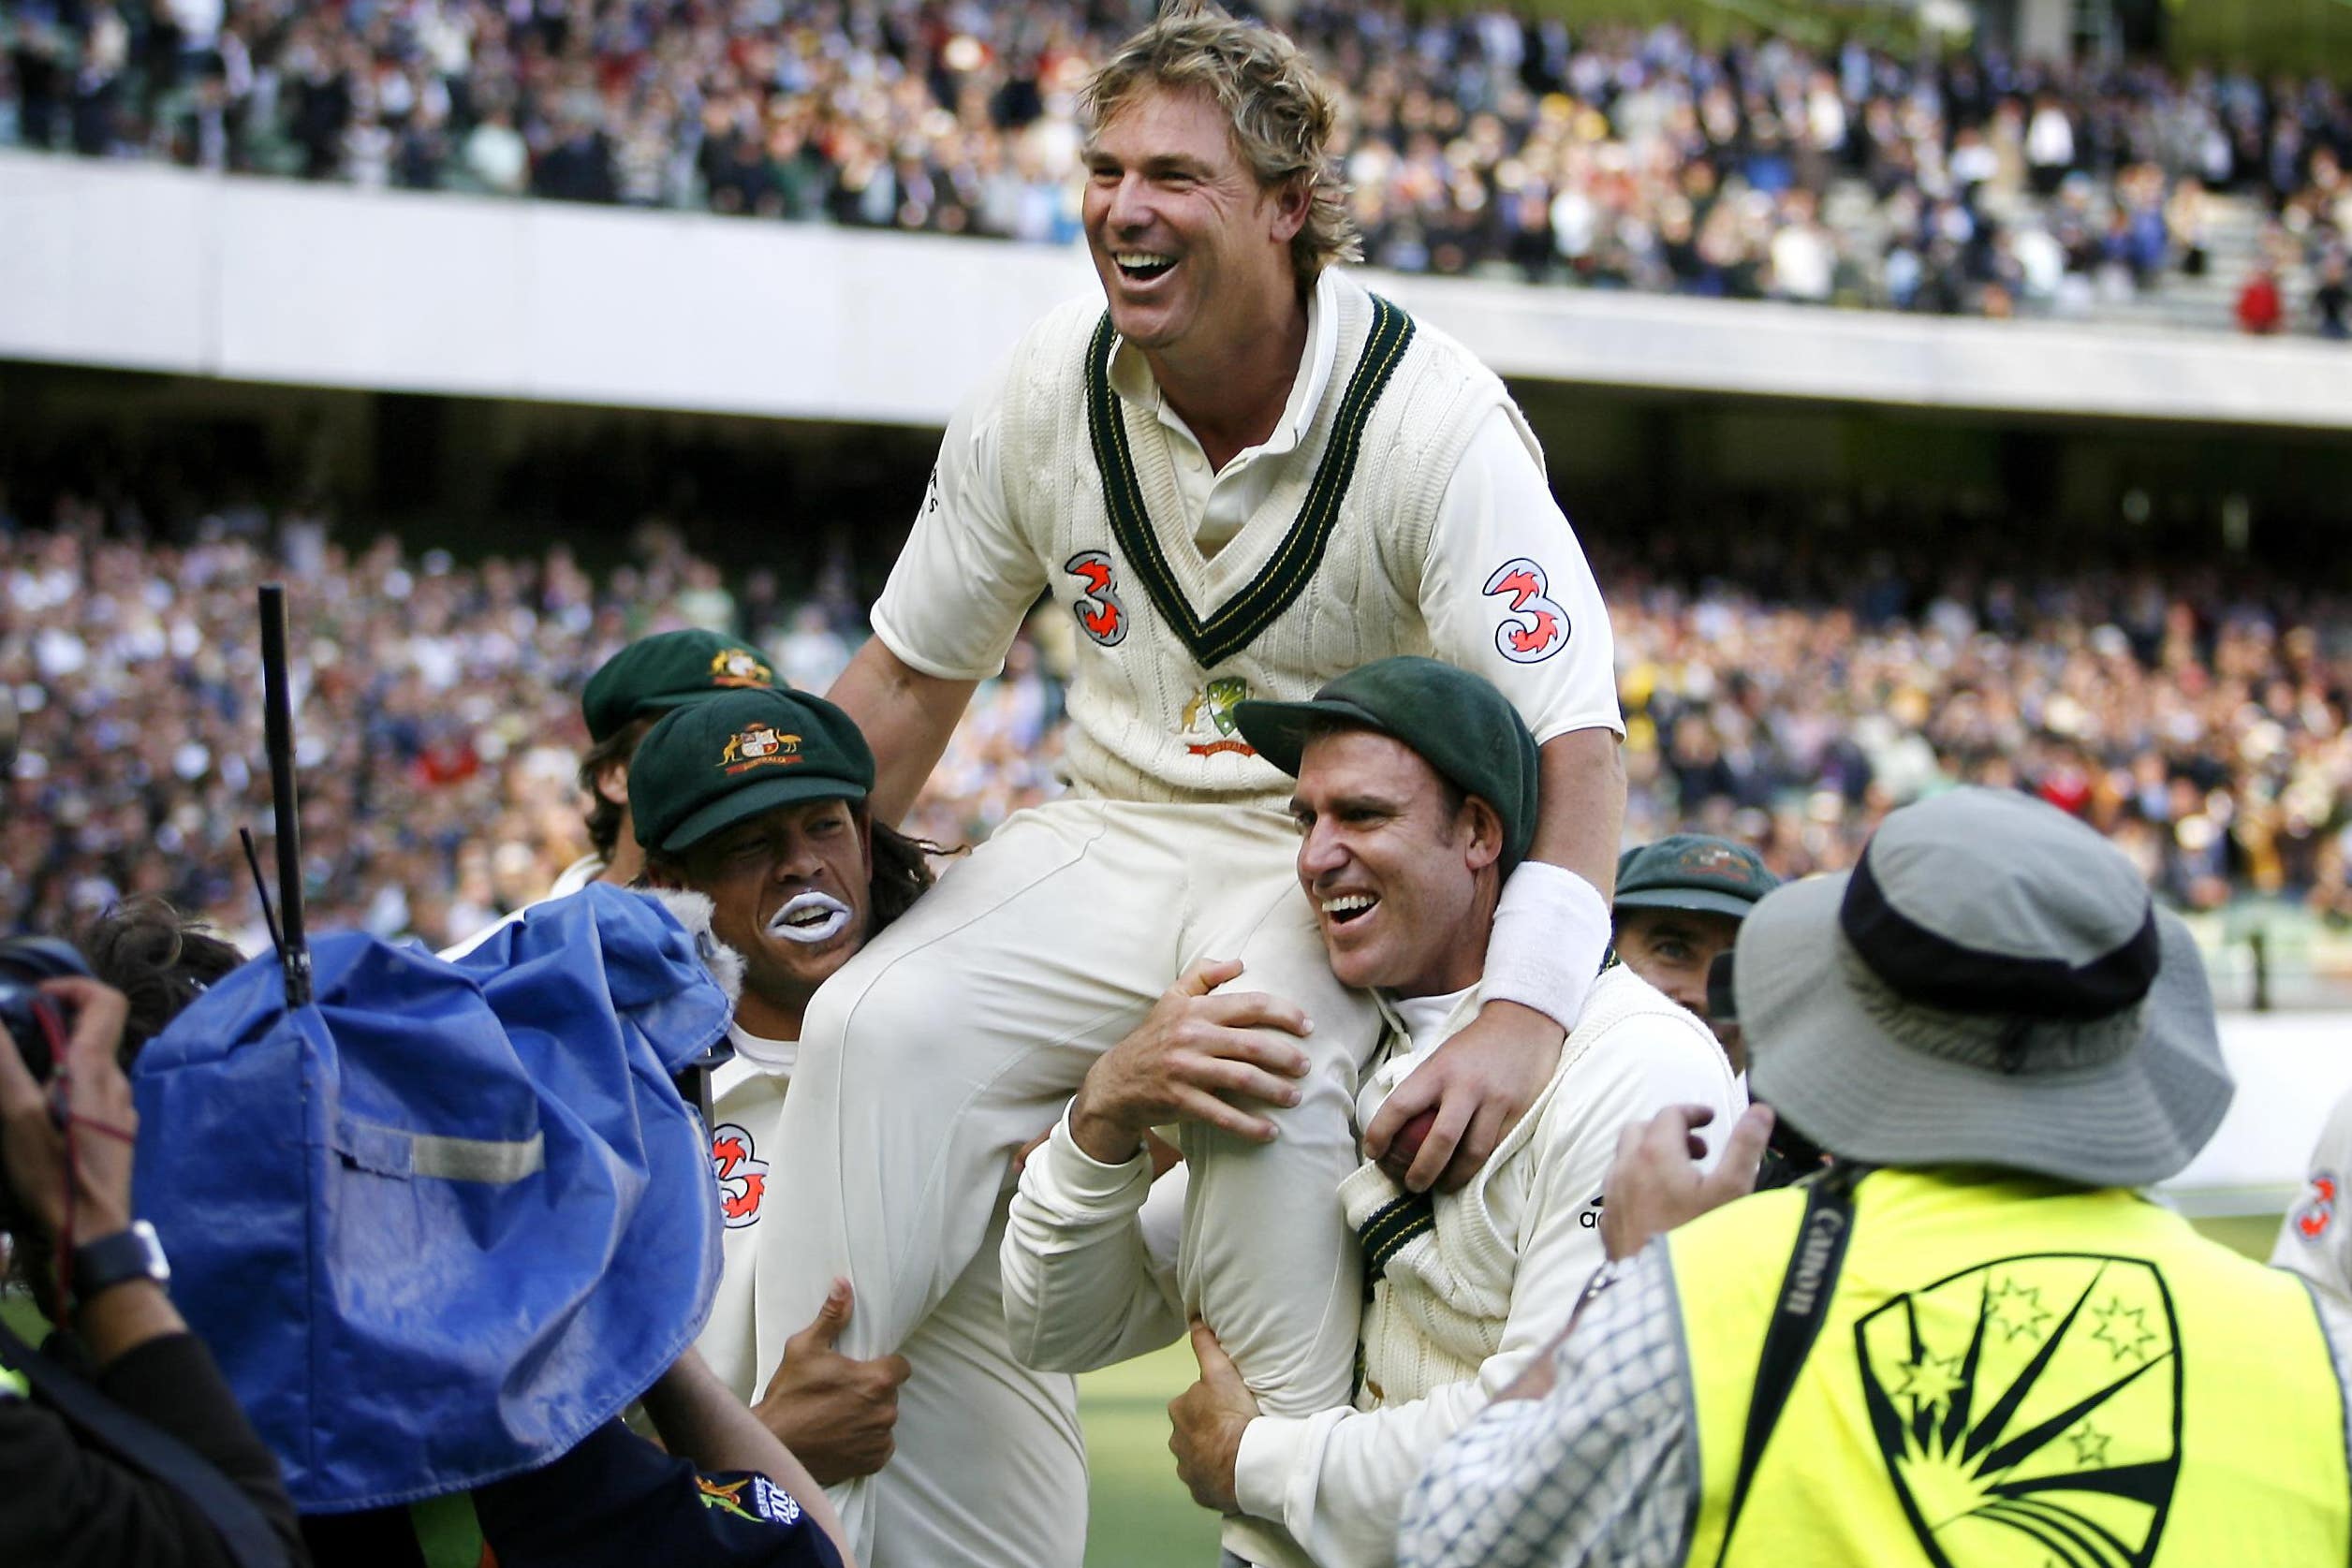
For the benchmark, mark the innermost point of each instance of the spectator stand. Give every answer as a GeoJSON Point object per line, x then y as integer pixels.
{"type": "Point", "coordinates": [1790, 161]}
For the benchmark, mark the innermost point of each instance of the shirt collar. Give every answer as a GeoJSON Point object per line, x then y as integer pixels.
{"type": "Point", "coordinates": [1455, 1009]}
{"type": "Point", "coordinates": [774, 1056]}
{"type": "Point", "coordinates": [1131, 374]}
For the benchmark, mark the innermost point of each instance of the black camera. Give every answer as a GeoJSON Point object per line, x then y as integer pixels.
{"type": "Point", "coordinates": [30, 1018]}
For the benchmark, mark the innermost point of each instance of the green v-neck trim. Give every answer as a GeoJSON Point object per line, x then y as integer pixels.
{"type": "Point", "coordinates": [1286, 573]}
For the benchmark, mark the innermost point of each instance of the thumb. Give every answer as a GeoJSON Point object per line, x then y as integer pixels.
{"type": "Point", "coordinates": [1215, 1365]}
{"type": "Point", "coordinates": [1743, 1151]}
{"type": "Point", "coordinates": [1206, 977]}
{"type": "Point", "coordinates": [831, 1318]}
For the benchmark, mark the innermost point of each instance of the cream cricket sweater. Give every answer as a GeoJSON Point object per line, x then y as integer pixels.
{"type": "Point", "coordinates": [1469, 1285]}
{"type": "Point", "coordinates": [1324, 576]}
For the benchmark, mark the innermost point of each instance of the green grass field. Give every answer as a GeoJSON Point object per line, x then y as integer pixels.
{"type": "Point", "coordinates": [1140, 1517]}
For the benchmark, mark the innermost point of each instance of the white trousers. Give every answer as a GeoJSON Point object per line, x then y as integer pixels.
{"type": "Point", "coordinates": [958, 1034]}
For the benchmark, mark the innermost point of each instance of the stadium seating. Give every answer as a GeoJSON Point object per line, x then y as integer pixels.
{"type": "Point", "coordinates": [2200, 720]}
{"type": "Point", "coordinates": [1487, 144]}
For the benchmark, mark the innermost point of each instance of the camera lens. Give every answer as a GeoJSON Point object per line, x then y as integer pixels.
{"type": "Point", "coordinates": [25, 961]}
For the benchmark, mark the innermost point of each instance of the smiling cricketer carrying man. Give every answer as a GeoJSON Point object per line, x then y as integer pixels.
{"type": "Point", "coordinates": [1243, 477]}
{"type": "Point", "coordinates": [1413, 801]}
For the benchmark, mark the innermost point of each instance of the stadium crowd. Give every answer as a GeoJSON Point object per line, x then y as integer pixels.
{"type": "Point", "coordinates": [1490, 141]}
{"type": "Point", "coordinates": [2199, 723]}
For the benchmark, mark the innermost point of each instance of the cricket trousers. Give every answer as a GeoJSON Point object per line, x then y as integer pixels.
{"type": "Point", "coordinates": [959, 1034]}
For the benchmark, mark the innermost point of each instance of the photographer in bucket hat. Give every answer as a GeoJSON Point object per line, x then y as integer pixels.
{"type": "Point", "coordinates": [1969, 1342]}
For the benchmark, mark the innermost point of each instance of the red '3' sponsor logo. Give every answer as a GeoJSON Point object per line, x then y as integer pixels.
{"type": "Point", "coordinates": [742, 1179]}
{"type": "Point", "coordinates": [2318, 1208]}
{"type": "Point", "coordinates": [1534, 628]}
{"type": "Point", "coordinates": [1100, 615]}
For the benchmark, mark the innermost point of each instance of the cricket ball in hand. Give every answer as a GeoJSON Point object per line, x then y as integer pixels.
{"type": "Point", "coordinates": [1407, 1144]}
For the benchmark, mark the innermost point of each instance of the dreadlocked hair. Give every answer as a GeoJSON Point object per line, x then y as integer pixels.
{"type": "Point", "coordinates": [901, 871]}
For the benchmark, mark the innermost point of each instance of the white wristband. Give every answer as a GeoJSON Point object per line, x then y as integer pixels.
{"type": "Point", "coordinates": [1550, 929]}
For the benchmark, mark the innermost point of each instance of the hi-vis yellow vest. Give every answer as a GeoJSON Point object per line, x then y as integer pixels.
{"type": "Point", "coordinates": [2002, 1371]}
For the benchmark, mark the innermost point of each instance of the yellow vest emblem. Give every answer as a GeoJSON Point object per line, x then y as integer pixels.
{"type": "Point", "coordinates": [2032, 1405]}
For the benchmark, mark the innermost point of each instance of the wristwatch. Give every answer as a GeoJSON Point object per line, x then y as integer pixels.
{"type": "Point", "coordinates": [131, 1253]}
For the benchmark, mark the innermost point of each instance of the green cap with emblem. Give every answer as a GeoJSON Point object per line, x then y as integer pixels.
{"type": "Point", "coordinates": [1457, 721]}
{"type": "Point", "coordinates": [657, 673]}
{"type": "Point", "coordinates": [712, 764]}
{"type": "Point", "coordinates": [1695, 871]}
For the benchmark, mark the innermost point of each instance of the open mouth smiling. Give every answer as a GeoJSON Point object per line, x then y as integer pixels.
{"type": "Point", "coordinates": [1143, 266]}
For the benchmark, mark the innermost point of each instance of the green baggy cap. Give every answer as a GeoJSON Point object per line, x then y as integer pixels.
{"type": "Point", "coordinates": [1695, 871]}
{"type": "Point", "coordinates": [657, 673]}
{"type": "Point", "coordinates": [712, 764]}
{"type": "Point", "coordinates": [1457, 722]}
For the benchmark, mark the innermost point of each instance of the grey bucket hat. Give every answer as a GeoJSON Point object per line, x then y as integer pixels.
{"type": "Point", "coordinates": [1991, 985]}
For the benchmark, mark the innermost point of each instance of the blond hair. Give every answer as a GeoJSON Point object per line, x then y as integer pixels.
{"type": "Point", "coordinates": [1280, 112]}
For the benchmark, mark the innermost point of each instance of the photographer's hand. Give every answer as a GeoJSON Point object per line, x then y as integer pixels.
{"type": "Point", "coordinates": [1657, 1184]}
{"type": "Point", "coordinates": [88, 1089]}
{"type": "Point", "coordinates": [67, 1158]}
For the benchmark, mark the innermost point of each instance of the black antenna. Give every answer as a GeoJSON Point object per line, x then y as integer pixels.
{"type": "Point", "coordinates": [278, 719]}
{"type": "Point", "coordinates": [261, 891]}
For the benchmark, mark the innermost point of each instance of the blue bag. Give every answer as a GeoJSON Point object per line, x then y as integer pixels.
{"type": "Point", "coordinates": [450, 1218]}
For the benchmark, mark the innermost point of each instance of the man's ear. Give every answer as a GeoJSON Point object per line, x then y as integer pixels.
{"type": "Point", "coordinates": [662, 874]}
{"type": "Point", "coordinates": [863, 815]}
{"type": "Point", "coordinates": [1292, 199]}
{"type": "Point", "coordinates": [1486, 833]}
{"type": "Point", "coordinates": [613, 781]}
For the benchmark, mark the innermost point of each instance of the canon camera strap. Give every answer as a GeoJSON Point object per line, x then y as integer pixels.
{"type": "Point", "coordinates": [148, 1447]}
{"type": "Point", "coordinates": [1805, 1290]}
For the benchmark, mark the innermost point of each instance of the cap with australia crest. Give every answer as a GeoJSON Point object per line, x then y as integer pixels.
{"type": "Point", "coordinates": [656, 674]}
{"type": "Point", "coordinates": [1693, 871]}
{"type": "Point", "coordinates": [1456, 720]}
{"type": "Point", "coordinates": [710, 764]}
